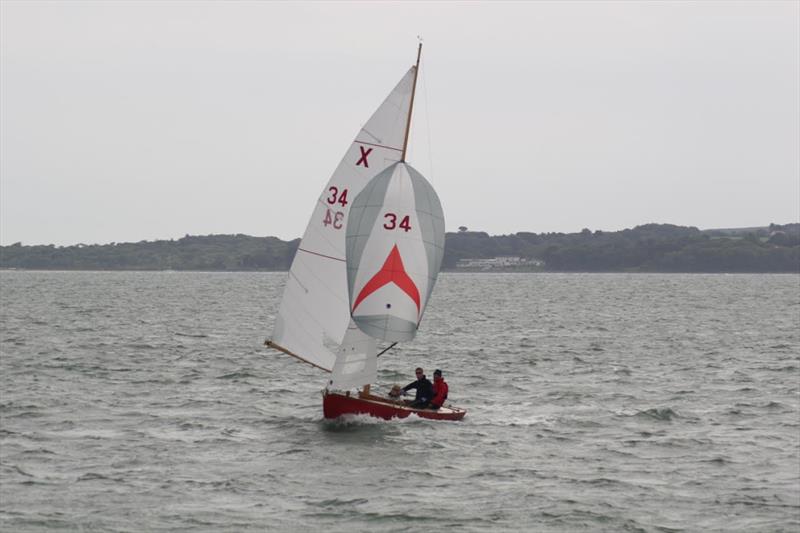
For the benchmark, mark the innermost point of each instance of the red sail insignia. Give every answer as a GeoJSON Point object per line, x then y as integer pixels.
{"type": "Point", "coordinates": [392, 271]}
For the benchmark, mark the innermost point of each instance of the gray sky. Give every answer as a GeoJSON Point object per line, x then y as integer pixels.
{"type": "Point", "coordinates": [124, 121]}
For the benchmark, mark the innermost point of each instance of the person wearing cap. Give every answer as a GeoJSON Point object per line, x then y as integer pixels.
{"type": "Point", "coordinates": [423, 387]}
{"type": "Point", "coordinates": [439, 390]}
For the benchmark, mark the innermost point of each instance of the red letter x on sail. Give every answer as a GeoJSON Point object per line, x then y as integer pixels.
{"type": "Point", "coordinates": [392, 271]}
{"type": "Point", "coordinates": [364, 154]}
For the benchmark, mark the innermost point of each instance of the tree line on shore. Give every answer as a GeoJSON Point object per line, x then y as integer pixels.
{"type": "Point", "coordinates": [646, 248]}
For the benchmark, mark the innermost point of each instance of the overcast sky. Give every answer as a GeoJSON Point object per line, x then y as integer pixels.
{"type": "Point", "coordinates": [126, 121]}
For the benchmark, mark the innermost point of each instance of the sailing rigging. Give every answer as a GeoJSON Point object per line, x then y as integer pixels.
{"type": "Point", "coordinates": [367, 263]}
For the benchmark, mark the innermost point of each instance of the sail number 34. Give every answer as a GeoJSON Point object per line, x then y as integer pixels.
{"type": "Point", "coordinates": [336, 218]}
{"type": "Point", "coordinates": [391, 222]}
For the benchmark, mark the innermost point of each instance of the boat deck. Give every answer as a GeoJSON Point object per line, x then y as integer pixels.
{"type": "Point", "coordinates": [336, 404]}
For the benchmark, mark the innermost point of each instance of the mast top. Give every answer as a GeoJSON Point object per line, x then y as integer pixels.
{"type": "Point", "coordinates": [411, 105]}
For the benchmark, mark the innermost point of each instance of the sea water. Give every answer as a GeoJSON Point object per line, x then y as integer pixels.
{"type": "Point", "coordinates": [605, 402]}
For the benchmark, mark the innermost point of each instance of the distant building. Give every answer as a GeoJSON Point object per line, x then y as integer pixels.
{"type": "Point", "coordinates": [498, 263]}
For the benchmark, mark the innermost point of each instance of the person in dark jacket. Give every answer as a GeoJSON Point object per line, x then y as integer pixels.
{"type": "Point", "coordinates": [424, 390]}
{"type": "Point", "coordinates": [440, 389]}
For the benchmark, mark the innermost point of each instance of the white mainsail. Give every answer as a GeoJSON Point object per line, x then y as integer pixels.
{"type": "Point", "coordinates": [314, 314]}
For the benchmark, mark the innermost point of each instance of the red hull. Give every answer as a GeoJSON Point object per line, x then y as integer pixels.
{"type": "Point", "coordinates": [335, 404]}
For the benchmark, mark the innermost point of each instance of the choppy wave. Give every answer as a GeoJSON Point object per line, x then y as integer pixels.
{"type": "Point", "coordinates": [595, 403]}
{"type": "Point", "coordinates": [658, 413]}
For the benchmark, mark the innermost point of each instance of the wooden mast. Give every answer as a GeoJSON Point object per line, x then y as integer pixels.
{"type": "Point", "coordinates": [411, 106]}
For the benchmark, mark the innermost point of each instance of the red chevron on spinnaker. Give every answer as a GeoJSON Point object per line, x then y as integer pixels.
{"type": "Point", "coordinates": [392, 271]}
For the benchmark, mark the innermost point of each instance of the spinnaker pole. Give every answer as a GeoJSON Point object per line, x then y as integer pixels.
{"type": "Point", "coordinates": [386, 350]}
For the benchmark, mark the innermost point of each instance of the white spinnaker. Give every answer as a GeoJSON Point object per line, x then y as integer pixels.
{"type": "Point", "coordinates": [395, 250]}
{"type": "Point", "coordinates": [315, 306]}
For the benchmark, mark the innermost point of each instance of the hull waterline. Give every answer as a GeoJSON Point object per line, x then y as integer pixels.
{"type": "Point", "coordinates": [335, 404]}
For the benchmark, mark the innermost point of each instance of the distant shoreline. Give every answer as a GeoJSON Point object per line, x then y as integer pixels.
{"type": "Point", "coordinates": [650, 248]}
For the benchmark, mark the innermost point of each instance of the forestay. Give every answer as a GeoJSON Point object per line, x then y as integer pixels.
{"type": "Point", "coordinates": [395, 245]}
{"type": "Point", "coordinates": [314, 310]}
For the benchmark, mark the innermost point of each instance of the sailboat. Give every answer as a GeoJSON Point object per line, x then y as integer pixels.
{"type": "Point", "coordinates": [366, 265]}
